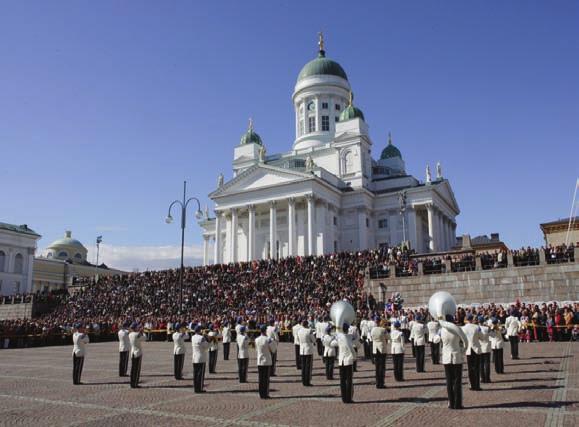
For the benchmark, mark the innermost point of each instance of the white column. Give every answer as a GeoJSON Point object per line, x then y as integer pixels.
{"type": "Point", "coordinates": [227, 243]}
{"type": "Point", "coordinates": [322, 228]}
{"type": "Point", "coordinates": [205, 250]}
{"type": "Point", "coordinates": [291, 226]}
{"type": "Point", "coordinates": [251, 234]}
{"type": "Point", "coordinates": [438, 242]}
{"type": "Point", "coordinates": [233, 238]}
{"type": "Point", "coordinates": [272, 230]}
{"type": "Point", "coordinates": [310, 202]}
{"type": "Point", "coordinates": [412, 227]}
{"type": "Point", "coordinates": [429, 209]}
{"type": "Point", "coordinates": [217, 248]}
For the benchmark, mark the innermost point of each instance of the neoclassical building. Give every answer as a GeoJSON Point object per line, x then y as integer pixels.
{"type": "Point", "coordinates": [327, 193]}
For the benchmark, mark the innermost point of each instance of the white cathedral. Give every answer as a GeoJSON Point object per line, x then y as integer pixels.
{"type": "Point", "coordinates": [327, 194]}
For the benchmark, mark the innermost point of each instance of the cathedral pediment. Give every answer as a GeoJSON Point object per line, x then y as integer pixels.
{"type": "Point", "coordinates": [260, 176]}
{"type": "Point", "coordinates": [445, 191]}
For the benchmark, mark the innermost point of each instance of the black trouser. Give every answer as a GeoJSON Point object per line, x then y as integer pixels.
{"type": "Point", "coordinates": [413, 348]}
{"type": "Point", "coordinates": [514, 347]}
{"type": "Point", "coordinates": [263, 374]}
{"type": "Point", "coordinates": [329, 362]}
{"type": "Point", "coordinates": [367, 349]}
{"type": "Point", "coordinates": [454, 385]}
{"type": "Point", "coordinates": [307, 369]}
{"type": "Point", "coordinates": [473, 362]}
{"type": "Point", "coordinates": [123, 363]}
{"type": "Point", "coordinates": [485, 368]}
{"type": "Point", "coordinates": [225, 351]}
{"type": "Point", "coordinates": [178, 361]}
{"type": "Point", "coordinates": [77, 364]}
{"type": "Point", "coordinates": [498, 359]}
{"type": "Point", "coordinates": [347, 383]}
{"type": "Point", "coordinates": [212, 361]}
{"type": "Point", "coordinates": [355, 365]}
{"type": "Point", "coordinates": [298, 358]}
{"type": "Point", "coordinates": [242, 369]}
{"type": "Point", "coordinates": [419, 358]}
{"type": "Point", "coordinates": [435, 352]}
{"type": "Point", "coordinates": [380, 361]}
{"type": "Point", "coordinates": [320, 346]}
{"type": "Point", "coordinates": [398, 360]}
{"type": "Point", "coordinates": [273, 363]}
{"type": "Point", "coordinates": [198, 377]}
{"type": "Point", "coordinates": [135, 370]}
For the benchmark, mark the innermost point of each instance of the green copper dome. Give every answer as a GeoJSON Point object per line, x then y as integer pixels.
{"type": "Point", "coordinates": [390, 151]}
{"type": "Point", "coordinates": [351, 112]}
{"type": "Point", "coordinates": [250, 137]}
{"type": "Point", "coordinates": [322, 66]}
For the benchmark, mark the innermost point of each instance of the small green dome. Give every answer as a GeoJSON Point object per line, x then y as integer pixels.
{"type": "Point", "coordinates": [390, 151]}
{"type": "Point", "coordinates": [351, 112]}
{"type": "Point", "coordinates": [250, 137]}
{"type": "Point", "coordinates": [322, 66]}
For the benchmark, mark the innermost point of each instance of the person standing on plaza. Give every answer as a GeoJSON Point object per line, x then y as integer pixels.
{"type": "Point", "coordinates": [397, 350]}
{"type": "Point", "coordinates": [179, 350]}
{"type": "Point", "coordinates": [434, 340]}
{"type": "Point", "coordinates": [307, 346]}
{"type": "Point", "coordinates": [242, 354]}
{"type": "Point", "coordinates": [496, 337]}
{"type": "Point", "coordinates": [513, 327]}
{"type": "Point", "coordinates": [346, 358]}
{"type": "Point", "coordinates": [485, 351]}
{"type": "Point", "coordinates": [213, 338]}
{"type": "Point", "coordinates": [472, 332]}
{"type": "Point", "coordinates": [329, 351]}
{"type": "Point", "coordinates": [124, 349]}
{"type": "Point", "coordinates": [226, 333]}
{"type": "Point", "coordinates": [378, 337]}
{"type": "Point", "coordinates": [264, 346]}
{"type": "Point", "coordinates": [200, 347]}
{"type": "Point", "coordinates": [79, 340]}
{"type": "Point", "coordinates": [418, 337]}
{"type": "Point", "coordinates": [295, 333]}
{"type": "Point", "coordinates": [452, 359]}
{"type": "Point", "coordinates": [136, 338]}
{"type": "Point", "coordinates": [272, 333]}
{"type": "Point", "coordinates": [355, 334]}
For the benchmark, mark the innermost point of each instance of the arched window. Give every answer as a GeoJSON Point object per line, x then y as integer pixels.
{"type": "Point", "coordinates": [18, 263]}
{"type": "Point", "coordinates": [2, 260]}
{"type": "Point", "coordinates": [78, 257]}
{"type": "Point", "coordinates": [347, 162]}
{"type": "Point", "coordinates": [62, 254]}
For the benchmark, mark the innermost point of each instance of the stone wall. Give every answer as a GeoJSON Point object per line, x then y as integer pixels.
{"type": "Point", "coordinates": [15, 311]}
{"type": "Point", "coordinates": [545, 282]}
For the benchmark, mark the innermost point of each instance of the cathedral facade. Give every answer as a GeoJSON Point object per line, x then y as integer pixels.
{"type": "Point", "coordinates": [327, 194]}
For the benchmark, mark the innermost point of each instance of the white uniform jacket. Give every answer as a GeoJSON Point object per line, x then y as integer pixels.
{"type": "Point", "coordinates": [397, 342]}
{"type": "Point", "coordinates": [242, 346]}
{"type": "Point", "coordinates": [329, 349]}
{"type": "Point", "coordinates": [513, 326]}
{"type": "Point", "coordinates": [271, 333]}
{"type": "Point", "coordinates": [353, 332]}
{"type": "Point", "coordinates": [307, 341]}
{"type": "Point", "coordinates": [295, 330]}
{"type": "Point", "coordinates": [79, 341]}
{"type": "Point", "coordinates": [451, 350]}
{"type": "Point", "coordinates": [433, 328]}
{"type": "Point", "coordinates": [418, 333]}
{"type": "Point", "coordinates": [124, 342]}
{"type": "Point", "coordinates": [226, 332]}
{"type": "Point", "coordinates": [496, 337]}
{"type": "Point", "coordinates": [136, 339]}
{"type": "Point", "coordinates": [347, 354]}
{"type": "Point", "coordinates": [179, 343]}
{"type": "Point", "coordinates": [472, 333]}
{"type": "Point", "coordinates": [200, 348]}
{"type": "Point", "coordinates": [213, 340]}
{"type": "Point", "coordinates": [364, 332]}
{"type": "Point", "coordinates": [379, 338]}
{"type": "Point", "coordinates": [263, 347]}
{"type": "Point", "coordinates": [485, 341]}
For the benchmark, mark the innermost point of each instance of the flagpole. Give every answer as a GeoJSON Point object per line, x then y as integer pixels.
{"type": "Point", "coordinates": [571, 214]}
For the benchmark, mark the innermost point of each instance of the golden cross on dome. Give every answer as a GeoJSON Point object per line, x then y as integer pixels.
{"type": "Point", "coordinates": [321, 41]}
{"type": "Point", "coordinates": [351, 97]}
{"type": "Point", "coordinates": [250, 124]}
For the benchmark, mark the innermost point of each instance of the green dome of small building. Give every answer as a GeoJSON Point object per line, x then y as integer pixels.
{"type": "Point", "coordinates": [390, 151]}
{"type": "Point", "coordinates": [322, 66]}
{"type": "Point", "coordinates": [351, 112]}
{"type": "Point", "coordinates": [250, 137]}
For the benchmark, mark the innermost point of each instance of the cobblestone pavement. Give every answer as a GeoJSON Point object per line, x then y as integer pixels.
{"type": "Point", "coordinates": [542, 388]}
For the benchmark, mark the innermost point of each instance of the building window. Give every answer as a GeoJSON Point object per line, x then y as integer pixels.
{"type": "Point", "coordinates": [324, 105]}
{"type": "Point", "coordinates": [335, 220]}
{"type": "Point", "coordinates": [325, 123]}
{"type": "Point", "coordinates": [367, 222]}
{"type": "Point", "coordinates": [311, 124]}
{"type": "Point", "coordinates": [383, 223]}
{"type": "Point", "coordinates": [78, 256]}
{"type": "Point", "coordinates": [18, 264]}
{"type": "Point", "coordinates": [2, 260]}
{"type": "Point", "coordinates": [336, 119]}
{"type": "Point", "coordinates": [16, 289]}
{"type": "Point", "coordinates": [63, 255]}
{"type": "Point", "coordinates": [338, 107]}
{"type": "Point", "coordinates": [335, 246]}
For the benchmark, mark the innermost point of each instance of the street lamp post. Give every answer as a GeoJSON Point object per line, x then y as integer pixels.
{"type": "Point", "coordinates": [169, 220]}
{"type": "Point", "coordinates": [99, 239]}
{"type": "Point", "coordinates": [402, 202]}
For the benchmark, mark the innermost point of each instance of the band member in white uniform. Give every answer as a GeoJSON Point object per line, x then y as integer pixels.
{"type": "Point", "coordinates": [242, 354]}
{"type": "Point", "coordinates": [497, 342]}
{"type": "Point", "coordinates": [179, 350]}
{"type": "Point", "coordinates": [79, 341]}
{"type": "Point", "coordinates": [472, 332]}
{"type": "Point", "coordinates": [213, 338]}
{"type": "Point", "coordinates": [485, 351]}
{"type": "Point", "coordinates": [124, 349]}
{"type": "Point", "coordinates": [329, 351]}
{"type": "Point", "coordinates": [434, 340]}
{"type": "Point", "coordinates": [295, 329]}
{"type": "Point", "coordinates": [397, 350]}
{"type": "Point", "coordinates": [307, 348]}
{"type": "Point", "coordinates": [263, 347]}
{"type": "Point", "coordinates": [200, 347]}
{"type": "Point", "coordinates": [452, 359]}
{"type": "Point", "coordinates": [346, 358]}
{"type": "Point", "coordinates": [272, 333]}
{"type": "Point", "coordinates": [418, 335]}
{"type": "Point", "coordinates": [513, 327]}
{"type": "Point", "coordinates": [379, 337]}
{"type": "Point", "coordinates": [226, 333]}
{"type": "Point", "coordinates": [136, 338]}
{"type": "Point", "coordinates": [355, 334]}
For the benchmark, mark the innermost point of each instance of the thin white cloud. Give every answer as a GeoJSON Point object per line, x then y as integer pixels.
{"type": "Point", "coordinates": [129, 258]}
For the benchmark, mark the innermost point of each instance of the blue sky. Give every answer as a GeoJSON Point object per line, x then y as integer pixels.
{"type": "Point", "coordinates": [106, 107]}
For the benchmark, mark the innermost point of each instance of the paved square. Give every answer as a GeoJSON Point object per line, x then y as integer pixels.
{"type": "Point", "coordinates": [541, 389]}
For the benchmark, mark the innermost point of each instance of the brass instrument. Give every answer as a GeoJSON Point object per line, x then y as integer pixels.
{"type": "Point", "coordinates": [342, 312]}
{"type": "Point", "coordinates": [440, 305]}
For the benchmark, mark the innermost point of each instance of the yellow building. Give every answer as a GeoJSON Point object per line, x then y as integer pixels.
{"type": "Point", "coordinates": [555, 232]}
